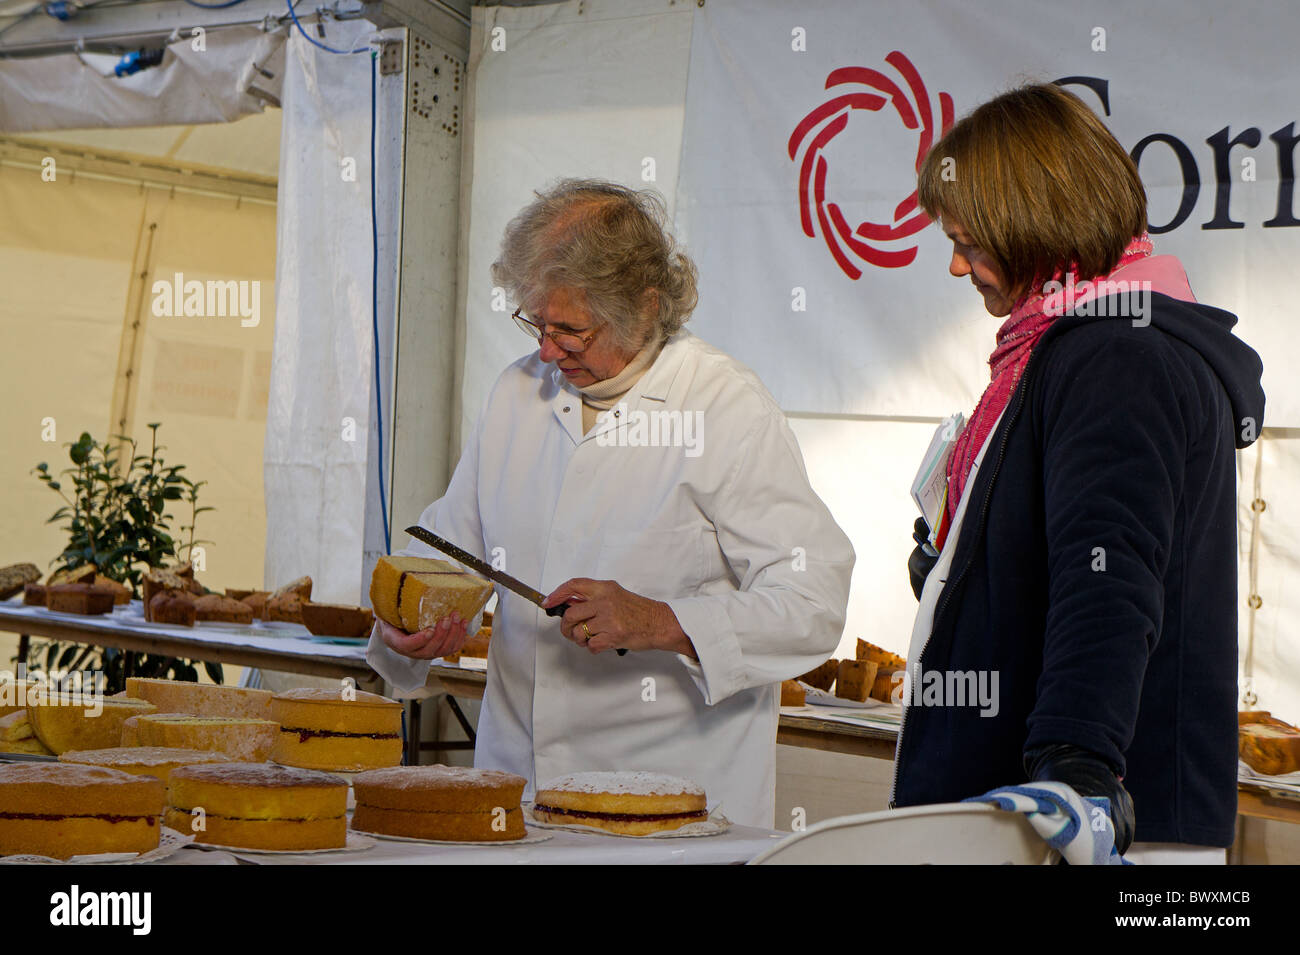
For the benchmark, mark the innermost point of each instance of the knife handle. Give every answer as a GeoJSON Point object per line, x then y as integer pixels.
{"type": "Point", "coordinates": [558, 611]}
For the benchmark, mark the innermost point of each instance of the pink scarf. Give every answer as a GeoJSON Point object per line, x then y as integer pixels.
{"type": "Point", "coordinates": [1029, 318]}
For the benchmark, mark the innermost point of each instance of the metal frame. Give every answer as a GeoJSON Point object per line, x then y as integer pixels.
{"type": "Point", "coordinates": [116, 27]}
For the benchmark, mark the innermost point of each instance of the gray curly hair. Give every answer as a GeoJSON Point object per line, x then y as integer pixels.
{"type": "Point", "coordinates": [608, 242]}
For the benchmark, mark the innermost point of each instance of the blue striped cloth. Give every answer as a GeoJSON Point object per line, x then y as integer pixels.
{"type": "Point", "coordinates": [1078, 827]}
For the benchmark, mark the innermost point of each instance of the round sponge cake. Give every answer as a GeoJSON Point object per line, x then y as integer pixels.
{"type": "Point", "coordinates": [321, 728]}
{"type": "Point", "coordinates": [258, 806]}
{"type": "Point", "coordinates": [627, 803]}
{"type": "Point", "coordinates": [156, 761]}
{"type": "Point", "coordinates": [61, 810]}
{"type": "Point", "coordinates": [448, 803]}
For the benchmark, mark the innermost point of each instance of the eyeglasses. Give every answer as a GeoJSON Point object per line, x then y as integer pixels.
{"type": "Point", "coordinates": [567, 340]}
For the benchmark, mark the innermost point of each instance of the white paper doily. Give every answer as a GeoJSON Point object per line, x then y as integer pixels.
{"type": "Point", "coordinates": [356, 842]}
{"type": "Point", "coordinates": [533, 837]}
{"type": "Point", "coordinates": [715, 825]}
{"type": "Point", "coordinates": [169, 842]}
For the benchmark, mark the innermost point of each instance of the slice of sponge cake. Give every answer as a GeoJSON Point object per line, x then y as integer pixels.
{"type": "Point", "coordinates": [414, 593]}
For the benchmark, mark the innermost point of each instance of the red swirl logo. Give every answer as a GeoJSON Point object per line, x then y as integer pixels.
{"type": "Point", "coordinates": [827, 121]}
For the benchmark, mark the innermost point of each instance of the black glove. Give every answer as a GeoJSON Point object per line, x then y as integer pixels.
{"type": "Point", "coordinates": [920, 563]}
{"type": "Point", "coordinates": [1089, 775]}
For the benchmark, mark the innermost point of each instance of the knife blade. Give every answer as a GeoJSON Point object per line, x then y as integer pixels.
{"type": "Point", "coordinates": [512, 584]}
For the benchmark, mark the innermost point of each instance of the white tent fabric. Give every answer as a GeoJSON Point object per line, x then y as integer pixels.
{"type": "Point", "coordinates": [318, 414]}
{"type": "Point", "coordinates": [590, 88]}
{"type": "Point", "coordinates": [202, 79]}
{"type": "Point", "coordinates": [72, 252]}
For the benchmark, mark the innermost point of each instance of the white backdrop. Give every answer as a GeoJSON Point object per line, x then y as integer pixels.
{"type": "Point", "coordinates": [909, 339]}
{"type": "Point", "coordinates": [594, 88]}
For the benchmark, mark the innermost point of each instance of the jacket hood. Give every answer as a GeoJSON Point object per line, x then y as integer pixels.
{"type": "Point", "coordinates": [1239, 367]}
{"type": "Point", "coordinates": [1168, 304]}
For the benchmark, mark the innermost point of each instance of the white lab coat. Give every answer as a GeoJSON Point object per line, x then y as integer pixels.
{"type": "Point", "coordinates": [727, 532]}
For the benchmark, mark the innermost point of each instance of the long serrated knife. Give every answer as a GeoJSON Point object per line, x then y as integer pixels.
{"type": "Point", "coordinates": [512, 584]}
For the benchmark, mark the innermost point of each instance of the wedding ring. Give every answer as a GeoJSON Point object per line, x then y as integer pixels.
{"type": "Point", "coordinates": [587, 630]}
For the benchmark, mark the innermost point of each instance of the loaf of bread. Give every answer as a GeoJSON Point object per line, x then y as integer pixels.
{"type": "Point", "coordinates": [174, 607]}
{"type": "Point", "coordinates": [1271, 747]}
{"type": "Point", "coordinates": [888, 681]}
{"type": "Point", "coordinates": [823, 678]}
{"type": "Point", "coordinates": [121, 592]}
{"type": "Point", "coordinates": [153, 761]}
{"type": "Point", "coordinates": [477, 645]}
{"type": "Point", "coordinates": [75, 575]}
{"type": "Point", "coordinates": [414, 593]}
{"type": "Point", "coordinates": [224, 609]}
{"type": "Point", "coordinates": [337, 620]}
{"type": "Point", "coordinates": [446, 803]}
{"type": "Point", "coordinates": [15, 577]}
{"type": "Point", "coordinates": [258, 806]}
{"type": "Point", "coordinates": [792, 694]}
{"type": "Point", "coordinates": [70, 721]}
{"type": "Point", "coordinates": [886, 659]}
{"type": "Point", "coordinates": [286, 603]}
{"type": "Point", "coordinates": [325, 729]}
{"type": "Point", "coordinates": [246, 740]}
{"type": "Point", "coordinates": [202, 699]}
{"type": "Point", "coordinates": [855, 679]}
{"type": "Point", "coordinates": [86, 599]}
{"type": "Point", "coordinates": [627, 803]}
{"type": "Point", "coordinates": [157, 580]}
{"type": "Point", "coordinates": [256, 602]}
{"type": "Point", "coordinates": [61, 810]}
{"type": "Point", "coordinates": [34, 595]}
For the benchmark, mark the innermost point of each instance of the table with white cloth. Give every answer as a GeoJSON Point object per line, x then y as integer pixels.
{"type": "Point", "coordinates": [270, 645]}
{"type": "Point", "coordinates": [737, 845]}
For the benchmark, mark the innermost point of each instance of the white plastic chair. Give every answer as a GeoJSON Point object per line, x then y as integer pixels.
{"type": "Point", "coordinates": [958, 833]}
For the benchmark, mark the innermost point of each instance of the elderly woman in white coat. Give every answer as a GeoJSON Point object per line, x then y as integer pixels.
{"type": "Point", "coordinates": [651, 482]}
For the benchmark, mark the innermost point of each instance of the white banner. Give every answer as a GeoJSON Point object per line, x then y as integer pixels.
{"type": "Point", "coordinates": [805, 125]}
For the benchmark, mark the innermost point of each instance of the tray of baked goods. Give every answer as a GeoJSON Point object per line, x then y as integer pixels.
{"type": "Point", "coordinates": [173, 596]}
{"type": "Point", "coordinates": [871, 681]}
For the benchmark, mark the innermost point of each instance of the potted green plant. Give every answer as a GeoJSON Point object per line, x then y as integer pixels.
{"type": "Point", "coordinates": [116, 519]}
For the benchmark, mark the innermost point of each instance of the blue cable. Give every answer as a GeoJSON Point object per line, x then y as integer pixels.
{"type": "Point", "coordinates": [307, 36]}
{"type": "Point", "coordinates": [374, 310]}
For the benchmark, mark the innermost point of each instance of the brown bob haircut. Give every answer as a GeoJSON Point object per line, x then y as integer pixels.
{"type": "Point", "coordinates": [1040, 184]}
